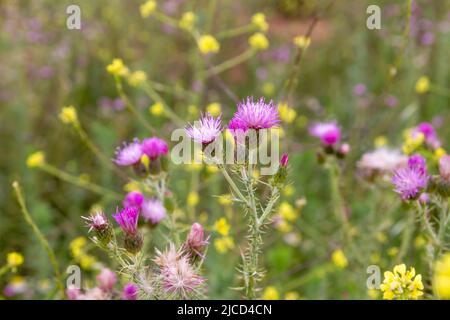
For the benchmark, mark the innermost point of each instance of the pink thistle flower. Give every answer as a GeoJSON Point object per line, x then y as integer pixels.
{"type": "Point", "coordinates": [205, 130]}
{"type": "Point", "coordinates": [130, 292]}
{"type": "Point", "coordinates": [409, 182]}
{"type": "Point", "coordinates": [154, 147]}
{"type": "Point", "coordinates": [133, 199]}
{"type": "Point", "coordinates": [255, 115]}
{"type": "Point", "coordinates": [130, 154]}
{"type": "Point", "coordinates": [127, 219]}
{"type": "Point", "coordinates": [106, 280]}
{"type": "Point", "coordinates": [444, 168]}
{"type": "Point", "coordinates": [329, 133]}
{"type": "Point", "coordinates": [153, 211]}
{"type": "Point", "coordinates": [73, 293]}
{"type": "Point", "coordinates": [178, 277]}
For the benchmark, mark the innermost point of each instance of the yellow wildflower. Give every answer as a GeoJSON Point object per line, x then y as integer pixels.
{"type": "Point", "coordinates": [117, 68]}
{"type": "Point", "coordinates": [373, 294]}
{"type": "Point", "coordinates": [68, 115]}
{"type": "Point", "coordinates": [419, 242]}
{"type": "Point", "coordinates": [401, 284]}
{"type": "Point", "coordinates": [258, 41]}
{"type": "Point", "coordinates": [192, 199]}
{"type": "Point", "coordinates": [212, 168]}
{"type": "Point", "coordinates": [193, 110]}
{"type": "Point", "coordinates": [270, 293]}
{"type": "Point", "coordinates": [87, 261]}
{"type": "Point", "coordinates": [381, 237]}
{"type": "Point", "coordinates": [77, 245]}
{"type": "Point", "coordinates": [287, 114]}
{"type": "Point", "coordinates": [187, 21]}
{"type": "Point", "coordinates": [380, 141]}
{"type": "Point", "coordinates": [283, 226]}
{"type": "Point", "coordinates": [422, 85]}
{"type": "Point", "coordinates": [147, 8]}
{"type": "Point", "coordinates": [222, 226]}
{"type": "Point", "coordinates": [291, 295]}
{"type": "Point", "coordinates": [259, 21]}
{"type": "Point", "coordinates": [225, 199]}
{"type": "Point", "coordinates": [208, 44]}
{"type": "Point", "coordinates": [157, 109]}
{"type": "Point", "coordinates": [36, 159]}
{"type": "Point", "coordinates": [302, 42]}
{"type": "Point", "coordinates": [289, 190]}
{"type": "Point", "coordinates": [137, 78]}
{"type": "Point", "coordinates": [268, 88]}
{"type": "Point", "coordinates": [132, 186]}
{"type": "Point", "coordinates": [214, 109]}
{"type": "Point", "coordinates": [438, 153]}
{"type": "Point", "coordinates": [392, 252]}
{"type": "Point", "coordinates": [287, 212]}
{"type": "Point", "coordinates": [441, 277]}
{"type": "Point", "coordinates": [224, 244]}
{"type": "Point", "coordinates": [14, 259]}
{"type": "Point", "coordinates": [339, 259]}
{"type": "Point", "coordinates": [412, 142]}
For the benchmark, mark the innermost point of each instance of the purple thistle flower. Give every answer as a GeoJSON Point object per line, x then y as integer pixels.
{"type": "Point", "coordinates": [255, 115]}
{"type": "Point", "coordinates": [359, 89]}
{"type": "Point", "coordinates": [196, 239]}
{"type": "Point", "coordinates": [429, 132]}
{"type": "Point", "coordinates": [127, 219]}
{"type": "Point", "coordinates": [418, 162]}
{"type": "Point", "coordinates": [154, 147]}
{"type": "Point", "coordinates": [205, 130]}
{"type": "Point", "coordinates": [329, 133]}
{"type": "Point", "coordinates": [153, 211]}
{"type": "Point", "coordinates": [129, 155]}
{"type": "Point", "coordinates": [409, 182]}
{"type": "Point", "coordinates": [133, 199]}
{"type": "Point", "coordinates": [130, 292]}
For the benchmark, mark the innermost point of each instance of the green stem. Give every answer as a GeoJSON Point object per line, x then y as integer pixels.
{"type": "Point", "coordinates": [406, 237]}
{"type": "Point", "coordinates": [236, 31]}
{"type": "Point", "coordinates": [233, 185]}
{"type": "Point", "coordinates": [232, 62]}
{"type": "Point", "coordinates": [43, 241]}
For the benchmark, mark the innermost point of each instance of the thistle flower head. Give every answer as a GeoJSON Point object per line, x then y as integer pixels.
{"type": "Point", "coordinates": [106, 279]}
{"type": "Point", "coordinates": [130, 154]}
{"type": "Point", "coordinates": [402, 284]}
{"type": "Point", "coordinates": [127, 218]}
{"type": "Point", "coordinates": [381, 161]}
{"type": "Point", "coordinates": [329, 133]}
{"type": "Point", "coordinates": [133, 199]}
{"type": "Point", "coordinates": [409, 182]}
{"type": "Point", "coordinates": [154, 147]}
{"type": "Point", "coordinates": [418, 162]}
{"type": "Point", "coordinates": [444, 168]}
{"type": "Point", "coordinates": [97, 221]}
{"type": "Point", "coordinates": [178, 277]}
{"type": "Point", "coordinates": [205, 130]}
{"type": "Point", "coordinates": [130, 292]}
{"type": "Point", "coordinates": [153, 211]}
{"type": "Point", "coordinates": [256, 115]}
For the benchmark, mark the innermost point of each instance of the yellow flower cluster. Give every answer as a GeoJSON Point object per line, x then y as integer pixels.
{"type": "Point", "coordinates": [288, 215]}
{"type": "Point", "coordinates": [117, 68]}
{"type": "Point", "coordinates": [402, 284]}
{"type": "Point", "coordinates": [157, 109]}
{"type": "Point", "coordinates": [222, 226]}
{"type": "Point", "coordinates": [422, 85]}
{"type": "Point", "coordinates": [208, 44]}
{"type": "Point", "coordinates": [441, 277]}
{"type": "Point", "coordinates": [270, 293]}
{"type": "Point", "coordinates": [412, 142]}
{"type": "Point", "coordinates": [302, 42]}
{"type": "Point", "coordinates": [78, 250]}
{"type": "Point", "coordinates": [287, 114]}
{"type": "Point", "coordinates": [137, 78]}
{"type": "Point", "coordinates": [14, 259]}
{"type": "Point", "coordinates": [258, 41]}
{"type": "Point", "coordinates": [259, 21]}
{"type": "Point", "coordinates": [187, 21]}
{"type": "Point", "coordinates": [224, 244]}
{"type": "Point", "coordinates": [68, 115]}
{"type": "Point", "coordinates": [147, 8]}
{"type": "Point", "coordinates": [214, 109]}
{"type": "Point", "coordinates": [36, 159]}
{"type": "Point", "coordinates": [339, 259]}
{"type": "Point", "coordinates": [193, 199]}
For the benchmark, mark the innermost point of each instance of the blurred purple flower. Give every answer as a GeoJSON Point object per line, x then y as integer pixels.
{"type": "Point", "coordinates": [130, 292]}
{"type": "Point", "coordinates": [133, 199]}
{"type": "Point", "coordinates": [329, 133]}
{"type": "Point", "coordinates": [129, 154]}
{"type": "Point", "coordinates": [153, 211]}
{"type": "Point", "coordinates": [154, 147]}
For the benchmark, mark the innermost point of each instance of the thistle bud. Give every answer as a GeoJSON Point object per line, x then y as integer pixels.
{"type": "Point", "coordinates": [343, 150]}
{"type": "Point", "coordinates": [284, 160]}
{"type": "Point", "coordinates": [196, 241]}
{"type": "Point", "coordinates": [133, 242]}
{"type": "Point", "coordinates": [98, 222]}
{"type": "Point", "coordinates": [280, 177]}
